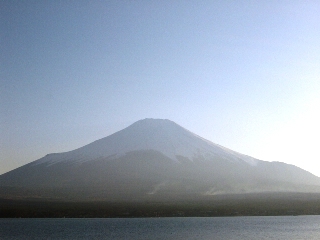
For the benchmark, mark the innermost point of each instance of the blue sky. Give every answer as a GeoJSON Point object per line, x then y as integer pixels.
{"type": "Point", "coordinates": [243, 74]}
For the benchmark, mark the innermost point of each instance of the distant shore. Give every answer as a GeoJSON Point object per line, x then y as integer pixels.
{"type": "Point", "coordinates": [233, 205]}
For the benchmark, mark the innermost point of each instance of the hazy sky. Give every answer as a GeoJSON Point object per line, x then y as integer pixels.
{"type": "Point", "coordinates": [243, 74]}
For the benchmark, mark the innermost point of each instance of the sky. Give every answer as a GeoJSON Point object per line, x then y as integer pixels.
{"type": "Point", "coordinates": [242, 74]}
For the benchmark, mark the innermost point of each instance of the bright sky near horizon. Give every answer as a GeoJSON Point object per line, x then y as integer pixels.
{"type": "Point", "coordinates": [242, 74]}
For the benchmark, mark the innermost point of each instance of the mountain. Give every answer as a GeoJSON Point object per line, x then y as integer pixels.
{"type": "Point", "coordinates": [152, 159]}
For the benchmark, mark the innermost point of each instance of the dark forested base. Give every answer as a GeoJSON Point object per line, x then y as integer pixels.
{"type": "Point", "coordinates": [231, 205]}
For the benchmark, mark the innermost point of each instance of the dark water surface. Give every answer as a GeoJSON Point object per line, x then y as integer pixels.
{"type": "Point", "coordinates": [287, 227]}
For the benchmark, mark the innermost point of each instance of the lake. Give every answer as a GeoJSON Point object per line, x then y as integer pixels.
{"type": "Point", "coordinates": [280, 227]}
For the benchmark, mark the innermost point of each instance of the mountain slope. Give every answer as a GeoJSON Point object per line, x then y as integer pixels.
{"type": "Point", "coordinates": [160, 135]}
{"type": "Point", "coordinates": [151, 158]}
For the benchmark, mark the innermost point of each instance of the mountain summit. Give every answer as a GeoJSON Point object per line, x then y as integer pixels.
{"type": "Point", "coordinates": [151, 158]}
{"type": "Point", "coordinates": [161, 135]}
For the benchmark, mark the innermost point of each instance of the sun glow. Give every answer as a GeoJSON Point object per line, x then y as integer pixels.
{"type": "Point", "coordinates": [297, 141]}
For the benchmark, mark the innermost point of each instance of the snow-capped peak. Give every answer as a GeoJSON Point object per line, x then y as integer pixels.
{"type": "Point", "coordinates": [160, 135]}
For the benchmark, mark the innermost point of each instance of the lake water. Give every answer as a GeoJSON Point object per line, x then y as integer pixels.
{"type": "Point", "coordinates": [288, 227]}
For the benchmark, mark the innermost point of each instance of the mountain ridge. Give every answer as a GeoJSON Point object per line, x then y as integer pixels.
{"type": "Point", "coordinates": [152, 158]}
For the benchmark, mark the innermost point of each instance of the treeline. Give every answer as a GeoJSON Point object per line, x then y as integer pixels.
{"type": "Point", "coordinates": [235, 205]}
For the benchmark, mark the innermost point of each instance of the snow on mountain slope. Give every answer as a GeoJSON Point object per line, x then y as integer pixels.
{"type": "Point", "coordinates": [160, 135]}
